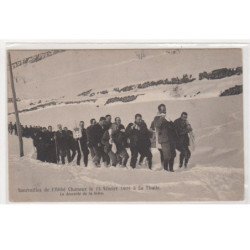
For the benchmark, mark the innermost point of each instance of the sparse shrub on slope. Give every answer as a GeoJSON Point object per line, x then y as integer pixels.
{"type": "Point", "coordinates": [236, 90]}
{"type": "Point", "coordinates": [77, 102]}
{"type": "Point", "coordinates": [85, 93]}
{"type": "Point", "coordinates": [53, 103]}
{"type": "Point", "coordinates": [129, 98]}
{"type": "Point", "coordinates": [104, 92]}
{"type": "Point", "coordinates": [220, 73]}
{"type": "Point", "coordinates": [126, 88]}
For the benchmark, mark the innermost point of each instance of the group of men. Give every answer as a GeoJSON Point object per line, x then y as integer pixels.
{"type": "Point", "coordinates": [108, 141]}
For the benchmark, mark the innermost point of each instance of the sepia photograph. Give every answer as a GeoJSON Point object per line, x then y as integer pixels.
{"type": "Point", "coordinates": [125, 125]}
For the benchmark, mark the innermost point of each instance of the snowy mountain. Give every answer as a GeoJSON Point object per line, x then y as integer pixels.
{"type": "Point", "coordinates": [143, 92]}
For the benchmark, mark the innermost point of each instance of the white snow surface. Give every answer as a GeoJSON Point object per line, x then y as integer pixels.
{"type": "Point", "coordinates": [193, 90]}
{"type": "Point", "coordinates": [215, 172]}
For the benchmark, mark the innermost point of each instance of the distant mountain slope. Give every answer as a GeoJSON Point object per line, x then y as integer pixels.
{"type": "Point", "coordinates": [193, 88]}
{"type": "Point", "coordinates": [74, 71]}
{"type": "Point", "coordinates": [104, 77]}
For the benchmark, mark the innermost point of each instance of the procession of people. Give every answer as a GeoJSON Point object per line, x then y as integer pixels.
{"type": "Point", "coordinates": [106, 142]}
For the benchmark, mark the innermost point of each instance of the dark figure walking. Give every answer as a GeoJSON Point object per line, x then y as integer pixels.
{"type": "Point", "coordinates": [10, 128]}
{"type": "Point", "coordinates": [68, 142]}
{"type": "Point", "coordinates": [44, 145]}
{"type": "Point", "coordinates": [120, 139]}
{"type": "Point", "coordinates": [51, 149]}
{"type": "Point", "coordinates": [83, 140]}
{"type": "Point", "coordinates": [39, 142]}
{"type": "Point", "coordinates": [61, 141]}
{"type": "Point", "coordinates": [96, 136]}
{"type": "Point", "coordinates": [144, 144]}
{"type": "Point", "coordinates": [165, 138]}
{"type": "Point", "coordinates": [139, 141]}
{"type": "Point", "coordinates": [183, 128]}
{"type": "Point", "coordinates": [132, 132]}
{"type": "Point", "coordinates": [15, 128]}
{"type": "Point", "coordinates": [90, 136]}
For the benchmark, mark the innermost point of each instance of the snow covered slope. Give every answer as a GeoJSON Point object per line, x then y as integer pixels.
{"type": "Point", "coordinates": [74, 71]}
{"type": "Point", "coordinates": [62, 78]}
{"type": "Point", "coordinates": [192, 90]}
{"type": "Point", "coordinates": [216, 171]}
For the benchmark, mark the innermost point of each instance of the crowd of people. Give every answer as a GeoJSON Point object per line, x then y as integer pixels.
{"type": "Point", "coordinates": [108, 142]}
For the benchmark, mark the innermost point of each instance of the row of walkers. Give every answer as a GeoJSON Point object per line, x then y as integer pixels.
{"type": "Point", "coordinates": [108, 141]}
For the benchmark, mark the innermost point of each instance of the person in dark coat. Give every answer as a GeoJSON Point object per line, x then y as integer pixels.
{"type": "Point", "coordinates": [84, 143]}
{"type": "Point", "coordinates": [139, 140]}
{"type": "Point", "coordinates": [25, 131]}
{"type": "Point", "coordinates": [46, 144]}
{"type": "Point", "coordinates": [51, 149]}
{"type": "Point", "coordinates": [132, 134]}
{"type": "Point", "coordinates": [165, 138]}
{"type": "Point", "coordinates": [89, 136]}
{"type": "Point", "coordinates": [10, 128]}
{"type": "Point", "coordinates": [120, 139]}
{"type": "Point", "coordinates": [145, 143]}
{"type": "Point", "coordinates": [39, 142]}
{"type": "Point", "coordinates": [31, 131]}
{"type": "Point", "coordinates": [15, 128]}
{"type": "Point", "coordinates": [61, 140]}
{"type": "Point", "coordinates": [36, 142]}
{"type": "Point", "coordinates": [108, 122]}
{"type": "Point", "coordinates": [183, 128]}
{"type": "Point", "coordinates": [68, 143]}
{"type": "Point", "coordinates": [96, 137]}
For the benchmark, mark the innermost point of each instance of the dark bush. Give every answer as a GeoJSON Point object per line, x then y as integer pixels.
{"type": "Point", "coordinates": [129, 98]}
{"type": "Point", "coordinates": [236, 90]}
{"type": "Point", "coordinates": [85, 93]}
{"type": "Point", "coordinates": [104, 92]}
{"type": "Point", "coordinates": [220, 73]}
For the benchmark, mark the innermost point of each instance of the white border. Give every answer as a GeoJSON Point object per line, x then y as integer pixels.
{"type": "Point", "coordinates": [129, 44]}
{"type": "Point", "coordinates": [3, 126]}
{"type": "Point", "coordinates": [246, 116]}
